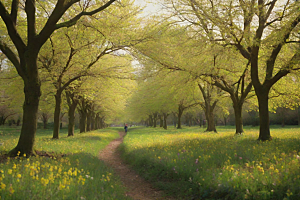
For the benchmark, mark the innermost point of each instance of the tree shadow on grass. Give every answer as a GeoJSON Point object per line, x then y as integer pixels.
{"type": "Point", "coordinates": [182, 178]}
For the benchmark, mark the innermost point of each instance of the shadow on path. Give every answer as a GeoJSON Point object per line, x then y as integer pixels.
{"type": "Point", "coordinates": [137, 187]}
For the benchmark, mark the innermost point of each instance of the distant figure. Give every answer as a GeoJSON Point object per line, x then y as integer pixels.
{"type": "Point", "coordinates": [125, 128]}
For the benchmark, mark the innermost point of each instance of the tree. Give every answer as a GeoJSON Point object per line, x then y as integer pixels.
{"type": "Point", "coordinates": [25, 50]}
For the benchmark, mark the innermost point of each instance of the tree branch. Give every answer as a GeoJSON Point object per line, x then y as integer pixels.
{"type": "Point", "coordinates": [74, 20]}
{"type": "Point", "coordinates": [11, 56]}
{"type": "Point", "coordinates": [14, 11]}
{"type": "Point", "coordinates": [30, 12]}
{"type": "Point", "coordinates": [11, 29]}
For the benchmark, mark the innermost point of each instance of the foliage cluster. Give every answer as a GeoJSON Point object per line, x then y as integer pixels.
{"type": "Point", "coordinates": [199, 165]}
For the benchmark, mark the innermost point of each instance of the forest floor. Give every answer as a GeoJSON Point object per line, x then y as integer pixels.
{"type": "Point", "coordinates": [137, 187]}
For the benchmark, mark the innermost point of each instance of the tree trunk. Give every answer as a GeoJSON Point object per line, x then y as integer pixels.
{"type": "Point", "coordinates": [150, 120]}
{"type": "Point", "coordinates": [57, 114]}
{"type": "Point", "coordinates": [209, 113]}
{"type": "Point", "coordinates": [180, 112]}
{"type": "Point", "coordinates": [88, 121]}
{"type": "Point", "coordinates": [72, 104]}
{"type": "Point", "coordinates": [210, 121]}
{"type": "Point", "coordinates": [263, 104]}
{"type": "Point", "coordinates": [174, 119]}
{"type": "Point", "coordinates": [165, 126]}
{"type": "Point", "coordinates": [45, 120]}
{"type": "Point", "coordinates": [32, 90]}
{"type": "Point", "coordinates": [102, 124]}
{"type": "Point", "coordinates": [82, 121]}
{"type": "Point", "coordinates": [238, 119]}
{"type": "Point", "coordinates": [1, 120]}
{"type": "Point", "coordinates": [208, 108]}
{"type": "Point", "coordinates": [161, 121]}
{"type": "Point", "coordinates": [97, 122]}
{"type": "Point", "coordinates": [93, 121]}
{"type": "Point", "coordinates": [71, 113]}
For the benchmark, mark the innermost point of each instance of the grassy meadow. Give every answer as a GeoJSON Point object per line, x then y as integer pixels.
{"type": "Point", "coordinates": [74, 173]}
{"type": "Point", "coordinates": [192, 164]}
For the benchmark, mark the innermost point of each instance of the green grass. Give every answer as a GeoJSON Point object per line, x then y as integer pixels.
{"type": "Point", "coordinates": [191, 164]}
{"type": "Point", "coordinates": [77, 175]}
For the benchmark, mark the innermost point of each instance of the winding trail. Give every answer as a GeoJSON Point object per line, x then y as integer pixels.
{"type": "Point", "coordinates": [137, 187]}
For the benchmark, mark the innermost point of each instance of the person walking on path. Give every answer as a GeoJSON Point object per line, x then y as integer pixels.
{"type": "Point", "coordinates": [126, 127]}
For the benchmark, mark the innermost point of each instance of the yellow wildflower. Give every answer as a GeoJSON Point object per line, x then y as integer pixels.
{"type": "Point", "coordinates": [2, 186]}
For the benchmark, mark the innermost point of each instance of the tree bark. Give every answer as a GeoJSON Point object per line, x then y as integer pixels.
{"type": "Point", "coordinates": [165, 126]}
{"type": "Point", "coordinates": [82, 121]}
{"type": "Point", "coordinates": [161, 121]}
{"type": "Point", "coordinates": [88, 120]}
{"type": "Point", "coordinates": [150, 121]}
{"type": "Point", "coordinates": [32, 90]}
{"type": "Point", "coordinates": [209, 113]}
{"type": "Point", "coordinates": [57, 114]}
{"type": "Point", "coordinates": [180, 112]}
{"type": "Point", "coordinates": [208, 108]}
{"type": "Point", "coordinates": [238, 119]}
{"type": "Point", "coordinates": [45, 120]}
{"type": "Point", "coordinates": [72, 104]}
{"type": "Point", "coordinates": [263, 104]}
{"type": "Point", "coordinates": [71, 125]}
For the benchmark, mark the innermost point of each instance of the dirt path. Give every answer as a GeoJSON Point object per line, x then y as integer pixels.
{"type": "Point", "coordinates": [137, 187]}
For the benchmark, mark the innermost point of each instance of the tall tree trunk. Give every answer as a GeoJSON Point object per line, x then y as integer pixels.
{"type": "Point", "coordinates": [238, 118]}
{"type": "Point", "coordinates": [32, 90]}
{"type": "Point", "coordinates": [208, 108]}
{"type": "Point", "coordinates": [180, 112]}
{"type": "Point", "coordinates": [45, 120]}
{"type": "Point", "coordinates": [102, 123]}
{"type": "Point", "coordinates": [72, 104]}
{"type": "Point", "coordinates": [93, 116]}
{"type": "Point", "coordinates": [88, 120]}
{"type": "Point", "coordinates": [174, 119]}
{"type": "Point", "coordinates": [263, 104]}
{"type": "Point", "coordinates": [165, 121]}
{"type": "Point", "coordinates": [210, 120]}
{"type": "Point", "coordinates": [57, 114]}
{"type": "Point", "coordinates": [161, 121]}
{"type": "Point", "coordinates": [97, 122]}
{"type": "Point", "coordinates": [71, 125]}
{"type": "Point", "coordinates": [82, 121]}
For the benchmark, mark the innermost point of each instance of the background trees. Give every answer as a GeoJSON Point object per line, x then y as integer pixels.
{"type": "Point", "coordinates": [194, 54]}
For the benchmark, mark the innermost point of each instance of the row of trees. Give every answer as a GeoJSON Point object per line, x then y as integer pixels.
{"type": "Point", "coordinates": [235, 49]}
{"type": "Point", "coordinates": [201, 53]}
{"type": "Point", "coordinates": [69, 50]}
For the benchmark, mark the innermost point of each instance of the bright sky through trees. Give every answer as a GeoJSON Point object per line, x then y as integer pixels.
{"type": "Point", "coordinates": [150, 6]}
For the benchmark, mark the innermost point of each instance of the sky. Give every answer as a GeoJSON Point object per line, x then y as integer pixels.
{"type": "Point", "coordinates": [150, 8]}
